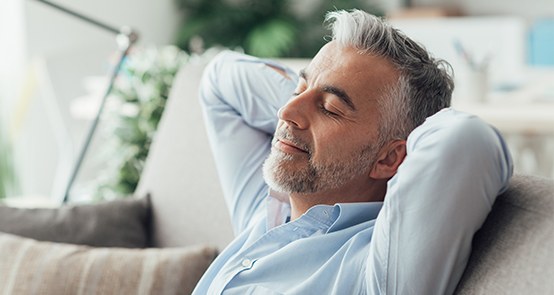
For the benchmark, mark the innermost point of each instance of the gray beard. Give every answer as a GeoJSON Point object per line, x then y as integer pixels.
{"type": "Point", "coordinates": [314, 177]}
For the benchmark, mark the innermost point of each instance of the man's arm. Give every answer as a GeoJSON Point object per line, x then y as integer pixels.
{"type": "Point", "coordinates": [455, 167]}
{"type": "Point", "coordinates": [240, 96]}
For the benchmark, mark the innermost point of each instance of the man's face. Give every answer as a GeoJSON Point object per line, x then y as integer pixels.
{"type": "Point", "coordinates": [326, 139]}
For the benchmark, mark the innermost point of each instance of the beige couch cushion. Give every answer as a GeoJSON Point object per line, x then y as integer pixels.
{"type": "Point", "coordinates": [31, 267]}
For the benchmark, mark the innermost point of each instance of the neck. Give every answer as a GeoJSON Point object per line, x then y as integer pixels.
{"type": "Point", "coordinates": [300, 203]}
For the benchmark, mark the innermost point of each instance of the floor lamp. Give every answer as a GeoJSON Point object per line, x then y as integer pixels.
{"type": "Point", "coordinates": [125, 39]}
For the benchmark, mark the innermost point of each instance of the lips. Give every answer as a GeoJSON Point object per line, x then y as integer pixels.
{"type": "Point", "coordinates": [284, 141]}
{"type": "Point", "coordinates": [288, 146]}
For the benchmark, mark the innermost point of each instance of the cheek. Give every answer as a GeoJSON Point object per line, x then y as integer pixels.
{"type": "Point", "coordinates": [333, 144]}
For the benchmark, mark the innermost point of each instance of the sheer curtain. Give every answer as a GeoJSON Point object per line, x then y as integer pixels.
{"type": "Point", "coordinates": [12, 54]}
{"type": "Point", "coordinates": [29, 116]}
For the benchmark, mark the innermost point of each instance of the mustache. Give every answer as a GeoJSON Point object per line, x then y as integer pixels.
{"type": "Point", "coordinates": [286, 135]}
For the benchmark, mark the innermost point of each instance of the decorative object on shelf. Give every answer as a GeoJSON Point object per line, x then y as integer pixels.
{"type": "Point", "coordinates": [136, 106]}
{"type": "Point", "coordinates": [272, 28]}
{"type": "Point", "coordinates": [125, 39]}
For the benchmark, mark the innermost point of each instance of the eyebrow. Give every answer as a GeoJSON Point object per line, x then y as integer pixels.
{"type": "Point", "coordinates": [338, 92]}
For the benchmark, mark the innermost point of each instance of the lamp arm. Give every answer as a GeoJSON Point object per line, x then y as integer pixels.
{"type": "Point", "coordinates": [125, 42]}
{"type": "Point", "coordinates": [82, 17]}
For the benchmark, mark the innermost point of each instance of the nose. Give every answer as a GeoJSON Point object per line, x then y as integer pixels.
{"type": "Point", "coordinates": [295, 112]}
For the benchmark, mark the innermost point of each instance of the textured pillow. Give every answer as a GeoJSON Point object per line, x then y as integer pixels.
{"type": "Point", "coordinates": [31, 267]}
{"type": "Point", "coordinates": [119, 223]}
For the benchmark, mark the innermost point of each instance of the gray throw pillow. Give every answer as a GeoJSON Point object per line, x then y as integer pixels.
{"type": "Point", "coordinates": [118, 223]}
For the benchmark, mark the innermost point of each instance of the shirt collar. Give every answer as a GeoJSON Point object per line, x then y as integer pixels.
{"type": "Point", "coordinates": [350, 214]}
{"type": "Point", "coordinates": [337, 217]}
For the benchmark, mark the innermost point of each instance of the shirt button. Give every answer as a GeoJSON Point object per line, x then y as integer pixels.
{"type": "Point", "coordinates": [247, 263]}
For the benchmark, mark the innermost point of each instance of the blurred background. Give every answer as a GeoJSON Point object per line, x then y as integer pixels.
{"type": "Point", "coordinates": [54, 68]}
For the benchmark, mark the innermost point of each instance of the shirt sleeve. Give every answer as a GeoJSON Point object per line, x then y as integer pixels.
{"type": "Point", "coordinates": [455, 167]}
{"type": "Point", "coordinates": [240, 96]}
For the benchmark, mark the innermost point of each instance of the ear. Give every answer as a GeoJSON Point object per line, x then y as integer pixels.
{"type": "Point", "coordinates": [388, 160]}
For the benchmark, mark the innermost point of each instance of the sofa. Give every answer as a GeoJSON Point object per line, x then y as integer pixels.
{"type": "Point", "coordinates": [183, 210]}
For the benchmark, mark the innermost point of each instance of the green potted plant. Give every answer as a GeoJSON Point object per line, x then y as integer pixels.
{"type": "Point", "coordinates": [136, 106]}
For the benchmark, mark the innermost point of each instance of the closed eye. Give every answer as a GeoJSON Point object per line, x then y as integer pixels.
{"type": "Point", "coordinates": [327, 112]}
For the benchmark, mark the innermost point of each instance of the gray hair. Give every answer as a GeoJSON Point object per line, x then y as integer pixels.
{"type": "Point", "coordinates": [424, 85]}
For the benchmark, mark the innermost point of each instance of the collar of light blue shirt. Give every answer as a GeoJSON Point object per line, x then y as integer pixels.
{"type": "Point", "coordinates": [330, 217]}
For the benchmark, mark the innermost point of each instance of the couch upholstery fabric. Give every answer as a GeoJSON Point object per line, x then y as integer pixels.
{"type": "Point", "coordinates": [513, 253]}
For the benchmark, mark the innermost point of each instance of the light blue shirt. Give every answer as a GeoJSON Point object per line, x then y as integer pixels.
{"type": "Point", "coordinates": [415, 242]}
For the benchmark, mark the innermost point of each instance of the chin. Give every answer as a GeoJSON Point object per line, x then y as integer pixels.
{"type": "Point", "coordinates": [281, 175]}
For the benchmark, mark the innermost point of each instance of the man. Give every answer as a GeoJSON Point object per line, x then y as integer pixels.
{"type": "Point", "coordinates": [353, 197]}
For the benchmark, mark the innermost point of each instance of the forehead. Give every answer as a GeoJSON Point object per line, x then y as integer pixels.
{"type": "Point", "coordinates": [363, 76]}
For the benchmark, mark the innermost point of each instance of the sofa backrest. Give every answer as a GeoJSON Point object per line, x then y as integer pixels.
{"type": "Point", "coordinates": [188, 206]}
{"type": "Point", "coordinates": [513, 253]}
